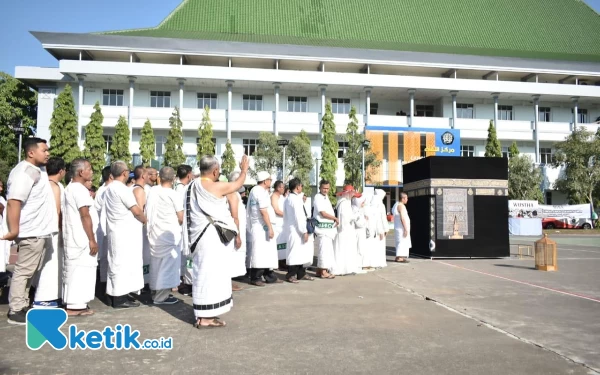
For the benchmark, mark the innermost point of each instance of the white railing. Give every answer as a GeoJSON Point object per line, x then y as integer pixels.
{"type": "Point", "coordinates": [472, 124]}
{"type": "Point", "coordinates": [251, 121]}
{"type": "Point", "coordinates": [431, 122]}
{"type": "Point", "coordinates": [514, 126]}
{"type": "Point", "coordinates": [192, 117]}
{"type": "Point", "coordinates": [393, 121]}
{"type": "Point", "coordinates": [294, 122]}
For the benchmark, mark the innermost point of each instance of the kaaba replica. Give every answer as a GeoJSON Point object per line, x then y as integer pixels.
{"type": "Point", "coordinates": [458, 207]}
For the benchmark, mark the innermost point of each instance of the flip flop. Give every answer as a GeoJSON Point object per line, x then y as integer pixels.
{"type": "Point", "coordinates": [84, 312]}
{"type": "Point", "coordinates": [292, 280]}
{"type": "Point", "coordinates": [308, 278]}
{"type": "Point", "coordinates": [216, 323]}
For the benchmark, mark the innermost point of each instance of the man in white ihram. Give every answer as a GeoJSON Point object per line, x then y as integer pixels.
{"type": "Point", "coordinates": [402, 229]}
{"type": "Point", "coordinates": [101, 231]}
{"type": "Point", "coordinates": [124, 245]}
{"type": "Point", "coordinates": [300, 248]}
{"type": "Point", "coordinates": [164, 210]}
{"type": "Point", "coordinates": [207, 208]}
{"type": "Point", "coordinates": [325, 231]}
{"type": "Point", "coordinates": [263, 258]}
{"type": "Point", "coordinates": [80, 222]}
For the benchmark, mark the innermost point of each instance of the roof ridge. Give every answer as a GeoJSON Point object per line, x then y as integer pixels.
{"type": "Point", "coordinates": [167, 18]}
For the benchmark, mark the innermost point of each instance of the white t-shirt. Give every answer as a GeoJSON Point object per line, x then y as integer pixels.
{"type": "Point", "coordinates": [30, 185]}
{"type": "Point", "coordinates": [118, 200]}
{"type": "Point", "coordinates": [77, 196]}
{"type": "Point", "coordinates": [258, 199]}
{"type": "Point", "coordinates": [168, 204]}
{"type": "Point", "coordinates": [99, 201]}
{"type": "Point", "coordinates": [322, 203]}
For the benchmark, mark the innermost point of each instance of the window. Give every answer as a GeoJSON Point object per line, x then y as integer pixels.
{"type": "Point", "coordinates": [214, 141]}
{"type": "Point", "coordinates": [342, 149]}
{"type": "Point", "coordinates": [423, 152]}
{"type": "Point", "coordinates": [297, 104]}
{"type": "Point", "coordinates": [424, 111]}
{"type": "Point", "coordinates": [253, 103]}
{"type": "Point", "coordinates": [108, 140]}
{"type": "Point", "coordinates": [205, 100]}
{"type": "Point", "coordinates": [159, 150]}
{"type": "Point", "coordinates": [467, 151]}
{"type": "Point", "coordinates": [505, 152]}
{"type": "Point", "coordinates": [340, 105]}
{"type": "Point", "coordinates": [582, 116]}
{"type": "Point", "coordinates": [544, 114]}
{"type": "Point", "coordinates": [373, 108]}
{"type": "Point", "coordinates": [505, 112]}
{"type": "Point", "coordinates": [545, 155]}
{"type": "Point", "coordinates": [160, 99]}
{"type": "Point", "coordinates": [112, 97]}
{"type": "Point", "coordinates": [549, 198]}
{"type": "Point", "coordinates": [249, 146]}
{"type": "Point", "coordinates": [464, 110]}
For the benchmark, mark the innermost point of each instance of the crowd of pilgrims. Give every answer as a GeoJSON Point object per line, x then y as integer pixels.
{"type": "Point", "coordinates": [183, 230]}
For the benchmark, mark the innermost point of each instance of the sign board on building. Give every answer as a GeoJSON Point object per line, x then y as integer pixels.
{"type": "Point", "coordinates": [395, 146]}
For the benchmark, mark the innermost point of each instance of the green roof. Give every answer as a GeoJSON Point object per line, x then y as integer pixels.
{"type": "Point", "coordinates": [546, 29]}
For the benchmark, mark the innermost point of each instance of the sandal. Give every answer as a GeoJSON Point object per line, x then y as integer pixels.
{"type": "Point", "coordinates": [83, 312]}
{"type": "Point", "coordinates": [308, 278]}
{"type": "Point", "coordinates": [215, 323]}
{"type": "Point", "coordinates": [293, 280]}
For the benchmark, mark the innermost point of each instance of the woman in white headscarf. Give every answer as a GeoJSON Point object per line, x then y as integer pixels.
{"type": "Point", "coordinates": [360, 224]}
{"type": "Point", "coordinates": [379, 256]}
{"type": "Point", "coordinates": [345, 248]}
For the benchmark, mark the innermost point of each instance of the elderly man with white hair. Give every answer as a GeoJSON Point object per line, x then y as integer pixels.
{"type": "Point", "coordinates": [238, 246]}
{"type": "Point", "coordinates": [263, 258]}
{"type": "Point", "coordinates": [210, 230]}
{"type": "Point", "coordinates": [164, 210]}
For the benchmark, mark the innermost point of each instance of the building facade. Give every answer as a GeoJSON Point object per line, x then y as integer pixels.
{"type": "Point", "coordinates": [254, 84]}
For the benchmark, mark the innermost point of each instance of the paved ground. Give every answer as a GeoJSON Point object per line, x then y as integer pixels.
{"type": "Point", "coordinates": [493, 316]}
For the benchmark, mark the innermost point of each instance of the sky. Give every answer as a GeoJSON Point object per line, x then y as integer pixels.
{"type": "Point", "coordinates": [19, 17]}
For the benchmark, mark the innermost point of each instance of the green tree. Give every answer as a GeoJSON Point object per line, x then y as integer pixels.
{"type": "Point", "coordinates": [492, 146]}
{"type": "Point", "coordinates": [524, 179]}
{"type": "Point", "coordinates": [206, 146]}
{"type": "Point", "coordinates": [147, 144]}
{"type": "Point", "coordinates": [301, 160]}
{"type": "Point", "coordinates": [95, 149]}
{"type": "Point", "coordinates": [513, 150]}
{"type": "Point", "coordinates": [17, 102]}
{"type": "Point", "coordinates": [228, 159]}
{"type": "Point", "coordinates": [579, 155]}
{"type": "Point", "coordinates": [329, 151]}
{"type": "Point", "coordinates": [268, 156]}
{"type": "Point", "coordinates": [174, 155]}
{"type": "Point", "coordinates": [63, 127]}
{"type": "Point", "coordinates": [119, 150]}
{"type": "Point", "coordinates": [353, 162]}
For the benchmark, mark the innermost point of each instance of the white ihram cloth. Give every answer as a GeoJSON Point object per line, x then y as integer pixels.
{"type": "Point", "coordinates": [80, 267]}
{"type": "Point", "coordinates": [360, 224]}
{"type": "Point", "coordinates": [123, 234]}
{"type": "Point", "coordinates": [263, 253]}
{"type": "Point", "coordinates": [346, 254]}
{"type": "Point", "coordinates": [211, 288]}
{"type": "Point", "coordinates": [238, 256]}
{"type": "Point", "coordinates": [4, 245]}
{"type": "Point", "coordinates": [164, 237]}
{"type": "Point", "coordinates": [403, 244]}
{"type": "Point", "coordinates": [367, 252]}
{"type": "Point", "coordinates": [381, 228]}
{"type": "Point", "coordinates": [186, 257]}
{"type": "Point", "coordinates": [144, 237]}
{"type": "Point", "coordinates": [50, 279]}
{"type": "Point", "coordinates": [277, 223]}
{"type": "Point", "coordinates": [101, 232]}
{"type": "Point", "coordinates": [294, 226]}
{"type": "Point", "coordinates": [325, 232]}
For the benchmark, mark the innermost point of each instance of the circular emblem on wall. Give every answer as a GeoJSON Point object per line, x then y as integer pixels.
{"type": "Point", "coordinates": [447, 138]}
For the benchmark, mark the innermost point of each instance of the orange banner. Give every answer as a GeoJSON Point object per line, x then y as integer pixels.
{"type": "Point", "coordinates": [393, 158]}
{"type": "Point", "coordinates": [412, 146]}
{"type": "Point", "coordinates": [376, 139]}
{"type": "Point", "coordinates": [430, 144]}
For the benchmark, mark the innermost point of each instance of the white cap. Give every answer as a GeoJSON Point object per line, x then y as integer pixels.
{"type": "Point", "coordinates": [262, 176]}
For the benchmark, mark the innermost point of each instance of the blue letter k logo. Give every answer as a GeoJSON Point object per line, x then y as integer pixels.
{"type": "Point", "coordinates": [44, 325]}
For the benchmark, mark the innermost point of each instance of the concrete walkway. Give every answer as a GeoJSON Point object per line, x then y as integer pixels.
{"type": "Point", "coordinates": [383, 322]}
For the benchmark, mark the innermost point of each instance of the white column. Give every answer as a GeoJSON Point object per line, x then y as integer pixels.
{"type": "Point", "coordinates": [81, 78]}
{"type": "Point", "coordinates": [276, 85]}
{"type": "Point", "coordinates": [575, 100]}
{"type": "Point", "coordinates": [496, 96]}
{"type": "Point", "coordinates": [536, 117]}
{"type": "Point", "coordinates": [323, 100]}
{"type": "Point", "coordinates": [368, 103]}
{"type": "Point", "coordinates": [130, 107]}
{"type": "Point", "coordinates": [453, 93]}
{"type": "Point", "coordinates": [229, 98]}
{"type": "Point", "coordinates": [181, 86]}
{"type": "Point", "coordinates": [411, 110]}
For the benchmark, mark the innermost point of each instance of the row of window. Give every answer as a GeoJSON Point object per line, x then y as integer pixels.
{"type": "Point", "coordinates": [469, 151]}
{"type": "Point", "coordinates": [162, 99]}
